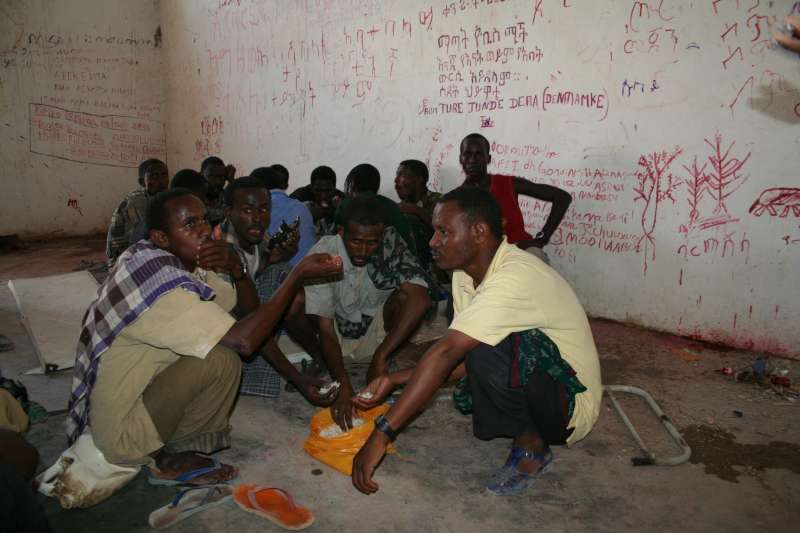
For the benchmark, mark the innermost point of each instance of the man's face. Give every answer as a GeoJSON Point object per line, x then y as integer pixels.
{"type": "Point", "coordinates": [215, 174]}
{"type": "Point", "coordinates": [362, 242]}
{"type": "Point", "coordinates": [187, 228]}
{"type": "Point", "coordinates": [452, 246]}
{"type": "Point", "coordinates": [409, 186]}
{"type": "Point", "coordinates": [474, 158]}
{"type": "Point", "coordinates": [323, 192]}
{"type": "Point", "coordinates": [156, 179]}
{"type": "Point", "coordinates": [250, 214]}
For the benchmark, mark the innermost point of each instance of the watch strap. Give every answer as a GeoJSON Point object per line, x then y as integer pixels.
{"type": "Point", "coordinates": [382, 425]}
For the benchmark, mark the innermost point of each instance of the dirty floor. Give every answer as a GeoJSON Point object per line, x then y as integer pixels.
{"type": "Point", "coordinates": [744, 474]}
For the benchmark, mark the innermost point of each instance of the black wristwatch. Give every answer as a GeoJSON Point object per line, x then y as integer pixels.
{"type": "Point", "coordinates": [382, 425]}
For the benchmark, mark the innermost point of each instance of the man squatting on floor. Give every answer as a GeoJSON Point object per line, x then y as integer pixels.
{"type": "Point", "coordinates": [519, 336]}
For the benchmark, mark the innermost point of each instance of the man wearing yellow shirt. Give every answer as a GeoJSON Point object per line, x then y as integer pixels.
{"type": "Point", "coordinates": [520, 336]}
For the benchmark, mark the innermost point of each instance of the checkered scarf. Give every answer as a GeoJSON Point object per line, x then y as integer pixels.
{"type": "Point", "coordinates": [142, 274]}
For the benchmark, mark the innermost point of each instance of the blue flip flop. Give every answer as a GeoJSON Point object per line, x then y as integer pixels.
{"type": "Point", "coordinates": [188, 502]}
{"type": "Point", "coordinates": [185, 478]}
{"type": "Point", "coordinates": [509, 481]}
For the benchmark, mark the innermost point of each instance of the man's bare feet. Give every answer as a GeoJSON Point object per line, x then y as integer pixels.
{"type": "Point", "coordinates": [170, 466]}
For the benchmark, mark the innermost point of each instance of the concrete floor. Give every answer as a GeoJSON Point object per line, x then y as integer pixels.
{"type": "Point", "coordinates": [744, 474]}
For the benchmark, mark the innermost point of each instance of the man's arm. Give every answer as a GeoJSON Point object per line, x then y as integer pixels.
{"type": "Point", "coordinates": [307, 384]}
{"type": "Point", "coordinates": [342, 408]}
{"type": "Point", "coordinates": [247, 334]}
{"type": "Point", "coordinates": [220, 256]}
{"type": "Point", "coordinates": [548, 193]}
{"type": "Point", "coordinates": [406, 319]}
{"type": "Point", "coordinates": [431, 372]}
{"type": "Point", "coordinates": [246, 294]}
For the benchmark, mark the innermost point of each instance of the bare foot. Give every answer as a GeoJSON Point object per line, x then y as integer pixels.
{"type": "Point", "coordinates": [172, 465]}
{"type": "Point", "coordinates": [529, 466]}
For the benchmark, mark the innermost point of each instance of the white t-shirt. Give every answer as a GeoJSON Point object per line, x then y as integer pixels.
{"type": "Point", "coordinates": [252, 261]}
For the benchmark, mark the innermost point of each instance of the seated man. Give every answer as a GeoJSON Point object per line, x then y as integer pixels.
{"type": "Point", "coordinates": [157, 371]}
{"type": "Point", "coordinates": [371, 311]}
{"type": "Point", "coordinates": [365, 180]}
{"type": "Point", "coordinates": [287, 210]}
{"type": "Point", "coordinates": [321, 197]}
{"type": "Point", "coordinates": [475, 158]}
{"type": "Point", "coordinates": [128, 218]}
{"type": "Point", "coordinates": [218, 175]}
{"type": "Point", "coordinates": [247, 215]}
{"type": "Point", "coordinates": [531, 364]}
{"type": "Point", "coordinates": [417, 203]}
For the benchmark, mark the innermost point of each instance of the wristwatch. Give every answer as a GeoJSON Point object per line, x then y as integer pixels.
{"type": "Point", "coordinates": [382, 425]}
{"type": "Point", "coordinates": [541, 236]}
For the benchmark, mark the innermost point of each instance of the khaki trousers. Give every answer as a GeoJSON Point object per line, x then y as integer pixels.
{"type": "Point", "coordinates": [191, 401]}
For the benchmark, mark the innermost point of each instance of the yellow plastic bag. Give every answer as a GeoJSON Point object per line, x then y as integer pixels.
{"type": "Point", "coordinates": [338, 452]}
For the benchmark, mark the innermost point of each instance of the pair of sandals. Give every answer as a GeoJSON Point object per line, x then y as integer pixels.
{"type": "Point", "coordinates": [509, 481]}
{"type": "Point", "coordinates": [272, 503]}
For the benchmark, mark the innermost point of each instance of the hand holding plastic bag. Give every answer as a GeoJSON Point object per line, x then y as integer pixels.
{"type": "Point", "coordinates": [338, 452]}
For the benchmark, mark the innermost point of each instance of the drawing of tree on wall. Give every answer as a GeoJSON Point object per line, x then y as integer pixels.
{"type": "Point", "coordinates": [726, 176]}
{"type": "Point", "coordinates": [722, 180]}
{"type": "Point", "coordinates": [697, 186]}
{"type": "Point", "coordinates": [655, 183]}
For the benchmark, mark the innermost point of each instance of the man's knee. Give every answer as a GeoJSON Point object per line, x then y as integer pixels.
{"type": "Point", "coordinates": [222, 363]}
{"type": "Point", "coordinates": [392, 307]}
{"type": "Point", "coordinates": [480, 362]}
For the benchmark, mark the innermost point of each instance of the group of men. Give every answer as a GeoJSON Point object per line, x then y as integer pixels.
{"type": "Point", "coordinates": [206, 272]}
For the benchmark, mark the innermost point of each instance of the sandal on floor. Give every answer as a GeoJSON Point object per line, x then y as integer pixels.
{"type": "Point", "coordinates": [509, 481]}
{"type": "Point", "coordinates": [187, 477]}
{"type": "Point", "coordinates": [189, 502]}
{"type": "Point", "coordinates": [276, 505]}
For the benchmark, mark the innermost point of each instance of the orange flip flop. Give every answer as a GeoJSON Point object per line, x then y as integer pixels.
{"type": "Point", "coordinates": [274, 504]}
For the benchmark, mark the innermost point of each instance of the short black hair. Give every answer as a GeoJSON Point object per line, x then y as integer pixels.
{"type": "Point", "coordinates": [268, 176]}
{"type": "Point", "coordinates": [479, 137]}
{"type": "Point", "coordinates": [208, 161]}
{"type": "Point", "coordinates": [157, 212]}
{"type": "Point", "coordinates": [478, 205]}
{"type": "Point", "coordinates": [144, 168]}
{"type": "Point", "coordinates": [282, 170]}
{"type": "Point", "coordinates": [323, 173]}
{"type": "Point", "coordinates": [188, 178]}
{"type": "Point", "coordinates": [417, 167]}
{"type": "Point", "coordinates": [362, 210]}
{"type": "Point", "coordinates": [363, 178]}
{"type": "Point", "coordinates": [245, 182]}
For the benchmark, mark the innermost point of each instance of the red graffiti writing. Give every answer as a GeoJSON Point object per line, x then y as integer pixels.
{"type": "Point", "coordinates": [73, 204]}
